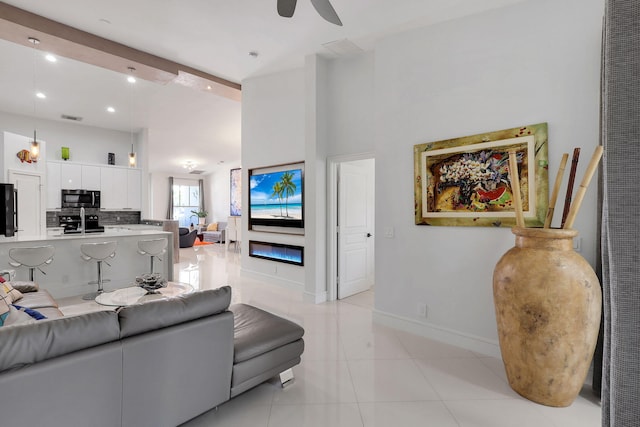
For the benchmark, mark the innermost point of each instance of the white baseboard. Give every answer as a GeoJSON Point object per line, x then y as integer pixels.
{"type": "Point", "coordinates": [273, 280]}
{"type": "Point", "coordinates": [448, 336]}
{"type": "Point", "coordinates": [315, 298]}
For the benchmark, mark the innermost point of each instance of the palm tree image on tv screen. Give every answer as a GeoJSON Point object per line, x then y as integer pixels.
{"type": "Point", "coordinates": [276, 198]}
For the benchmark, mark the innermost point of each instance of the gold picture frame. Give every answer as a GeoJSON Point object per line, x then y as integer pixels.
{"type": "Point", "coordinates": [465, 182]}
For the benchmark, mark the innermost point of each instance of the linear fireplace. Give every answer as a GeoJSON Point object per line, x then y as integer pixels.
{"type": "Point", "coordinates": [280, 252]}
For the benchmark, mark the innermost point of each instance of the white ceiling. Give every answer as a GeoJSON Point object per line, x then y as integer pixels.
{"type": "Point", "coordinates": [214, 36]}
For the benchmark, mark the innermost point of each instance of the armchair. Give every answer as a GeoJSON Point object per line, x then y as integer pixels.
{"type": "Point", "coordinates": [187, 238]}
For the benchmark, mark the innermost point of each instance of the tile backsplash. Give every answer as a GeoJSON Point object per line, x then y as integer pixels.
{"type": "Point", "coordinates": [105, 217]}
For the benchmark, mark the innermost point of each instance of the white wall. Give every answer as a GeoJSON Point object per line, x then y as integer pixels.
{"type": "Point", "coordinates": [273, 133]}
{"type": "Point", "coordinates": [534, 62]}
{"type": "Point", "coordinates": [351, 105]}
{"type": "Point", "coordinates": [86, 144]}
{"type": "Point", "coordinates": [218, 189]}
{"type": "Point", "coordinates": [10, 145]}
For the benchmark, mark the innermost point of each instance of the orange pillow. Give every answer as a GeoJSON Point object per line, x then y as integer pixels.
{"type": "Point", "coordinates": [212, 227]}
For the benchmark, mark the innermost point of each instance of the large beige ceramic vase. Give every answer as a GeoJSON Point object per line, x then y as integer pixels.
{"type": "Point", "coordinates": [548, 303]}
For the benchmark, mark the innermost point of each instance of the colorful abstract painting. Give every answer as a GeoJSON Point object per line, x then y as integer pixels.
{"type": "Point", "coordinates": [465, 181]}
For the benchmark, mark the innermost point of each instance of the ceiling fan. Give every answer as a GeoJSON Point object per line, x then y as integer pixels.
{"type": "Point", "coordinates": [323, 7]}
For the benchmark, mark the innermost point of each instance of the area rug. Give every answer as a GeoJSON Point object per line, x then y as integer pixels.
{"type": "Point", "coordinates": [199, 243]}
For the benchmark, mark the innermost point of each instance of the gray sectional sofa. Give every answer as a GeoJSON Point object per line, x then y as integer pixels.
{"type": "Point", "coordinates": [156, 364]}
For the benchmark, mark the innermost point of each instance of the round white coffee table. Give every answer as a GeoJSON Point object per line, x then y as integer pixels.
{"type": "Point", "coordinates": [135, 294]}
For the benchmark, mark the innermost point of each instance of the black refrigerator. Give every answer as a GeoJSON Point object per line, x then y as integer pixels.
{"type": "Point", "coordinates": [8, 210]}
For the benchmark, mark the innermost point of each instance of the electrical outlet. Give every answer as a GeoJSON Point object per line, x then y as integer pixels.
{"type": "Point", "coordinates": [422, 309]}
{"type": "Point", "coordinates": [577, 243]}
{"type": "Point", "coordinates": [389, 232]}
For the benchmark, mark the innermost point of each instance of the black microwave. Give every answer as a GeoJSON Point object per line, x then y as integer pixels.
{"type": "Point", "coordinates": [80, 199]}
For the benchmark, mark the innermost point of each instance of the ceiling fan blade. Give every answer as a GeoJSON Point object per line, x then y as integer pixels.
{"type": "Point", "coordinates": [286, 8]}
{"type": "Point", "coordinates": [327, 11]}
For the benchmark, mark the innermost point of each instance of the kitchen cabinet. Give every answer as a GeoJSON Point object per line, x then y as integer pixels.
{"type": "Point", "coordinates": [90, 177]}
{"type": "Point", "coordinates": [70, 176]}
{"type": "Point", "coordinates": [134, 182]}
{"type": "Point", "coordinates": [120, 187]}
{"type": "Point", "coordinates": [53, 186]}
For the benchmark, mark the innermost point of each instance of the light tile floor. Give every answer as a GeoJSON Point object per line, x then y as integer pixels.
{"type": "Point", "coordinates": [357, 373]}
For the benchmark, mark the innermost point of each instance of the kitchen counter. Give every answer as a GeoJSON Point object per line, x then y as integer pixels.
{"type": "Point", "coordinates": [68, 274]}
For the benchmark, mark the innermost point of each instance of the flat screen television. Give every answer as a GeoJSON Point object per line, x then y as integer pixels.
{"type": "Point", "coordinates": [276, 198]}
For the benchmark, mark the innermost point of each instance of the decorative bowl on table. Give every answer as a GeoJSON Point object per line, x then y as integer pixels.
{"type": "Point", "coordinates": [151, 281]}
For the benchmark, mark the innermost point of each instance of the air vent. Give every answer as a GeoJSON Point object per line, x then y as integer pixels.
{"type": "Point", "coordinates": [196, 172]}
{"type": "Point", "coordinates": [74, 118]}
{"type": "Point", "coordinates": [344, 47]}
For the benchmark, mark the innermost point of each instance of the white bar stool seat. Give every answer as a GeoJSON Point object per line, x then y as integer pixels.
{"type": "Point", "coordinates": [32, 258]}
{"type": "Point", "coordinates": [99, 252]}
{"type": "Point", "coordinates": [153, 248]}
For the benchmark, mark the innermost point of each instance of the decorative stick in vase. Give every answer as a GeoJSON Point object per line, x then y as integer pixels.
{"type": "Point", "coordinates": [591, 169]}
{"type": "Point", "coordinates": [570, 184]}
{"type": "Point", "coordinates": [556, 190]}
{"type": "Point", "coordinates": [515, 187]}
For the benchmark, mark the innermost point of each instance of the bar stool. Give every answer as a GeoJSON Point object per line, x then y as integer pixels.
{"type": "Point", "coordinates": [32, 258]}
{"type": "Point", "coordinates": [99, 252]}
{"type": "Point", "coordinates": [153, 248]}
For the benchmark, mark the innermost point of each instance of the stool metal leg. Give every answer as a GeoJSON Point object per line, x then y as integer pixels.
{"type": "Point", "coordinates": [99, 282]}
{"type": "Point", "coordinates": [100, 289]}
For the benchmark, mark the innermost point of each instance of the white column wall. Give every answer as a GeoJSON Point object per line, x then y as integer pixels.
{"type": "Point", "coordinates": [273, 133]}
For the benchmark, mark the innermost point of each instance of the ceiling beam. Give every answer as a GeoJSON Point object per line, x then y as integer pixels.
{"type": "Point", "coordinates": [17, 25]}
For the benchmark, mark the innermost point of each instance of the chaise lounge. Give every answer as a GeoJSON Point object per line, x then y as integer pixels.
{"type": "Point", "coordinates": [160, 363]}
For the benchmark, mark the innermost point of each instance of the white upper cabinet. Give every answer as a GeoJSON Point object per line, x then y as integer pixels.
{"type": "Point", "coordinates": [134, 182]}
{"type": "Point", "coordinates": [70, 176]}
{"type": "Point", "coordinates": [54, 197]}
{"type": "Point", "coordinates": [90, 177]}
{"type": "Point", "coordinates": [120, 187]}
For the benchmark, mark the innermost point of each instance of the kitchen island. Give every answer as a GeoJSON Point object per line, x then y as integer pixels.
{"type": "Point", "coordinates": [68, 274]}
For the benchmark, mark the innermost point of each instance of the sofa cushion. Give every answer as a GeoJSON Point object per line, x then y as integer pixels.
{"type": "Point", "coordinates": [14, 294]}
{"type": "Point", "coordinates": [27, 344]}
{"type": "Point", "coordinates": [212, 227]}
{"type": "Point", "coordinates": [50, 312]}
{"type": "Point", "coordinates": [140, 318]}
{"type": "Point", "coordinates": [37, 300]}
{"type": "Point", "coordinates": [30, 312]}
{"type": "Point", "coordinates": [257, 331]}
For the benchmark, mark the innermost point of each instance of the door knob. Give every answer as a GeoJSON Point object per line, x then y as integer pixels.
{"type": "Point", "coordinates": [369, 234]}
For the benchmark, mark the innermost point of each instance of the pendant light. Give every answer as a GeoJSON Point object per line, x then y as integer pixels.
{"type": "Point", "coordinates": [34, 152]}
{"type": "Point", "coordinates": [132, 155]}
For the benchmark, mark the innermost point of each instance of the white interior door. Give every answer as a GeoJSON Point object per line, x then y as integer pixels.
{"type": "Point", "coordinates": [29, 191]}
{"type": "Point", "coordinates": [356, 190]}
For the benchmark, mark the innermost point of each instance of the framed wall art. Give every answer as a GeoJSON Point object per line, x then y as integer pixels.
{"type": "Point", "coordinates": [235, 196]}
{"type": "Point", "coordinates": [465, 181]}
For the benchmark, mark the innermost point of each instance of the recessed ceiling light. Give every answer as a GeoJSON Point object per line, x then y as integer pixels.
{"type": "Point", "coordinates": [208, 87]}
{"type": "Point", "coordinates": [41, 95]}
{"type": "Point", "coordinates": [49, 57]}
{"type": "Point", "coordinates": [130, 77]}
{"type": "Point", "coordinates": [111, 109]}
